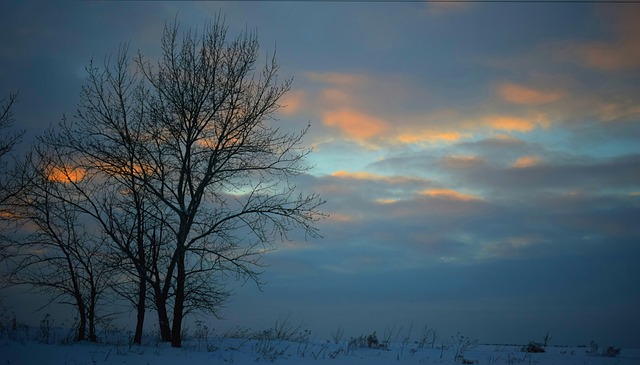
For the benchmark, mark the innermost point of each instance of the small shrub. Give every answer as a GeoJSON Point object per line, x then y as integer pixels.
{"type": "Point", "coordinates": [545, 340]}
{"type": "Point", "coordinates": [462, 344]}
{"type": "Point", "coordinates": [593, 348]}
{"type": "Point", "coordinates": [356, 343]}
{"type": "Point", "coordinates": [372, 341]}
{"type": "Point", "coordinates": [202, 335]}
{"type": "Point", "coordinates": [533, 347]}
{"type": "Point", "coordinates": [611, 351]}
{"type": "Point", "coordinates": [45, 328]}
{"type": "Point", "coordinates": [338, 335]}
{"type": "Point", "coordinates": [13, 333]}
{"type": "Point", "coordinates": [428, 337]}
{"type": "Point", "coordinates": [285, 330]}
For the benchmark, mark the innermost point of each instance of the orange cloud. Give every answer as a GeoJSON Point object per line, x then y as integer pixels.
{"type": "Point", "coordinates": [65, 174]}
{"type": "Point", "coordinates": [510, 124]}
{"type": "Point", "coordinates": [363, 175]}
{"type": "Point", "coordinates": [386, 201]}
{"type": "Point", "coordinates": [516, 124]}
{"type": "Point", "coordinates": [293, 102]}
{"type": "Point", "coordinates": [526, 161]}
{"type": "Point", "coordinates": [449, 194]}
{"type": "Point", "coordinates": [411, 138]}
{"type": "Point", "coordinates": [355, 124]}
{"type": "Point", "coordinates": [336, 96]}
{"type": "Point", "coordinates": [519, 94]}
{"type": "Point", "coordinates": [360, 175]}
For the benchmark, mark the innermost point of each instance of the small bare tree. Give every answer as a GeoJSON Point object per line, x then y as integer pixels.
{"type": "Point", "coordinates": [8, 139]}
{"type": "Point", "coordinates": [59, 254]}
{"type": "Point", "coordinates": [9, 185]}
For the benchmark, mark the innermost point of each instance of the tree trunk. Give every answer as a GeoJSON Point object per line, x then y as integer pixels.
{"type": "Point", "coordinates": [92, 324]}
{"type": "Point", "coordinates": [178, 308]}
{"type": "Point", "coordinates": [142, 290]}
{"type": "Point", "coordinates": [141, 264]}
{"type": "Point", "coordinates": [163, 318]}
{"type": "Point", "coordinates": [82, 325]}
{"type": "Point", "coordinates": [142, 287]}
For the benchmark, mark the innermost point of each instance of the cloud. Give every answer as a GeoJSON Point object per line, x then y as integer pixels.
{"type": "Point", "coordinates": [336, 96]}
{"type": "Point", "coordinates": [513, 246]}
{"type": "Point", "coordinates": [622, 52]}
{"type": "Point", "coordinates": [367, 110]}
{"type": "Point", "coordinates": [420, 137]}
{"type": "Point", "coordinates": [512, 124]}
{"type": "Point", "coordinates": [511, 167]}
{"type": "Point", "coordinates": [355, 124]}
{"type": "Point", "coordinates": [66, 174]}
{"type": "Point", "coordinates": [337, 78]}
{"type": "Point", "coordinates": [615, 111]}
{"type": "Point", "coordinates": [293, 102]}
{"type": "Point", "coordinates": [363, 175]}
{"type": "Point", "coordinates": [383, 182]}
{"type": "Point", "coordinates": [610, 57]}
{"type": "Point", "coordinates": [449, 194]}
{"type": "Point", "coordinates": [446, 223]}
{"type": "Point", "coordinates": [462, 162]}
{"type": "Point", "coordinates": [519, 94]}
{"type": "Point", "coordinates": [526, 161]}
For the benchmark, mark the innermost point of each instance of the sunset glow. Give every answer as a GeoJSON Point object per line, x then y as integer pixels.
{"type": "Point", "coordinates": [480, 161]}
{"type": "Point", "coordinates": [65, 175]}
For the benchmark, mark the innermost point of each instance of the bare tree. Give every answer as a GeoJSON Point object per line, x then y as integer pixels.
{"type": "Point", "coordinates": [111, 112]}
{"type": "Point", "coordinates": [222, 172]}
{"type": "Point", "coordinates": [9, 184]}
{"type": "Point", "coordinates": [8, 139]}
{"type": "Point", "coordinates": [60, 254]}
{"type": "Point", "coordinates": [203, 184]}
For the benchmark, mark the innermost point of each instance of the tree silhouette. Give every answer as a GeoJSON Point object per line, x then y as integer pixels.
{"type": "Point", "coordinates": [195, 182]}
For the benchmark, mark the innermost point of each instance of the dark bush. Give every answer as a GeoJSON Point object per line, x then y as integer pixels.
{"type": "Point", "coordinates": [611, 351]}
{"type": "Point", "coordinates": [533, 347]}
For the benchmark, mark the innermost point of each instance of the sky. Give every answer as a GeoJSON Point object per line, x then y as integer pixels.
{"type": "Point", "coordinates": [480, 161]}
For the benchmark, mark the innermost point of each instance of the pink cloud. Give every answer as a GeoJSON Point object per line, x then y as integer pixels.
{"type": "Point", "coordinates": [526, 161]}
{"type": "Point", "coordinates": [293, 102]}
{"type": "Point", "coordinates": [336, 96]}
{"type": "Point", "coordinates": [510, 124]}
{"type": "Point", "coordinates": [620, 53]}
{"type": "Point", "coordinates": [355, 124]}
{"type": "Point", "coordinates": [519, 94]}
{"type": "Point", "coordinates": [364, 175]}
{"type": "Point", "coordinates": [449, 194]}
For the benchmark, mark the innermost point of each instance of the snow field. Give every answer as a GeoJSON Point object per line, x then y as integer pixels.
{"type": "Point", "coordinates": [28, 348]}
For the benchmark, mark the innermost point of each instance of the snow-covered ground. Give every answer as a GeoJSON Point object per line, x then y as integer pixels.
{"type": "Point", "coordinates": [29, 348]}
